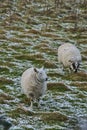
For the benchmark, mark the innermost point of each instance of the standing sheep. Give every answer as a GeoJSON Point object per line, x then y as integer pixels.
{"type": "Point", "coordinates": [69, 56]}
{"type": "Point", "coordinates": [33, 83]}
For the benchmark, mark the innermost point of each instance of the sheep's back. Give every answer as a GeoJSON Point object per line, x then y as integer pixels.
{"type": "Point", "coordinates": [68, 52]}
{"type": "Point", "coordinates": [27, 80]}
{"type": "Point", "coordinates": [63, 51]}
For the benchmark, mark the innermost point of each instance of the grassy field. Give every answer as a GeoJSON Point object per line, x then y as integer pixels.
{"type": "Point", "coordinates": [30, 33]}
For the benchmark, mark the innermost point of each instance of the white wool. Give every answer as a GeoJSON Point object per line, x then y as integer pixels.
{"type": "Point", "coordinates": [67, 52]}
{"type": "Point", "coordinates": [33, 82]}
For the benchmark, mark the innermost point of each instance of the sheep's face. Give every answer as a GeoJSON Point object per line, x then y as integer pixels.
{"type": "Point", "coordinates": [74, 66]}
{"type": "Point", "coordinates": [41, 74]}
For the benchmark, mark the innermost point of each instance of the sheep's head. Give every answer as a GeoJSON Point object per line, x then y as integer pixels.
{"type": "Point", "coordinates": [41, 74]}
{"type": "Point", "coordinates": [74, 65]}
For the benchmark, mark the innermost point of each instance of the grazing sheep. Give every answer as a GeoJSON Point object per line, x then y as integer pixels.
{"type": "Point", "coordinates": [34, 84]}
{"type": "Point", "coordinates": [69, 56]}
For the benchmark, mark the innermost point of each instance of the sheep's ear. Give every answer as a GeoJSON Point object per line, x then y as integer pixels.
{"type": "Point", "coordinates": [35, 70]}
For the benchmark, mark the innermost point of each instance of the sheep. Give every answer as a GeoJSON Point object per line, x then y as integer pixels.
{"type": "Point", "coordinates": [69, 55]}
{"type": "Point", "coordinates": [34, 84]}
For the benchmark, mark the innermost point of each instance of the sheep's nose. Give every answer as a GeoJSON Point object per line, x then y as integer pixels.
{"type": "Point", "coordinates": [75, 70]}
{"type": "Point", "coordinates": [46, 79]}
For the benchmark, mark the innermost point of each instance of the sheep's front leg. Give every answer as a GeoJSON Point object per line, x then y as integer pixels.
{"type": "Point", "coordinates": [31, 104]}
{"type": "Point", "coordinates": [31, 96]}
{"type": "Point", "coordinates": [38, 103]}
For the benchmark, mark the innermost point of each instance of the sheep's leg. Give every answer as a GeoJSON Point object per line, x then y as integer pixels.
{"type": "Point", "coordinates": [63, 67]}
{"type": "Point", "coordinates": [31, 96]}
{"type": "Point", "coordinates": [38, 102]}
{"type": "Point", "coordinates": [31, 105]}
{"type": "Point", "coordinates": [70, 70]}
